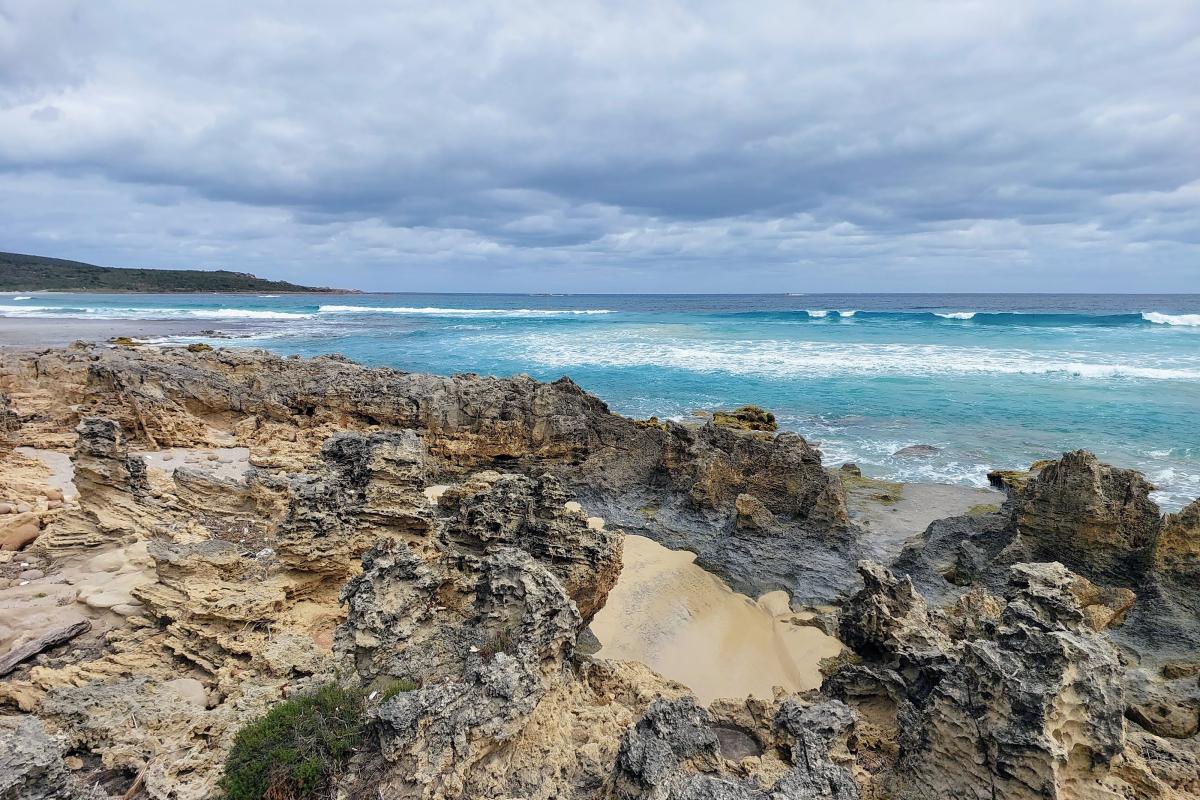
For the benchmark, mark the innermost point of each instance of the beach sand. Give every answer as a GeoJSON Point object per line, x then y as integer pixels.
{"type": "Point", "coordinates": [34, 332]}
{"type": "Point", "coordinates": [688, 625]}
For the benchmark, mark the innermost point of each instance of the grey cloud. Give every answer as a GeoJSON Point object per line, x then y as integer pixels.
{"type": "Point", "coordinates": [609, 146]}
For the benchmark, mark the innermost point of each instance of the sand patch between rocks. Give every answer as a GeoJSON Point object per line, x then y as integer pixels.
{"type": "Point", "coordinates": [688, 625]}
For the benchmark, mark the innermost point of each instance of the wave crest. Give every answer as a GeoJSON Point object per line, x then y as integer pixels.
{"type": "Point", "coordinates": [955, 314]}
{"type": "Point", "coordinates": [1185, 320]}
{"type": "Point", "coordinates": [435, 311]}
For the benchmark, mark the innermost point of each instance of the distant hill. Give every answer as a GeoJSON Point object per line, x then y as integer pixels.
{"type": "Point", "coordinates": [23, 273]}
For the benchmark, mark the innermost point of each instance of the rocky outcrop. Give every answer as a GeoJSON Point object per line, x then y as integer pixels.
{"type": "Point", "coordinates": [478, 624]}
{"type": "Point", "coordinates": [285, 410]}
{"type": "Point", "coordinates": [425, 538]}
{"type": "Point", "coordinates": [1095, 518]}
{"type": "Point", "coordinates": [1176, 557]}
{"type": "Point", "coordinates": [31, 765]}
{"type": "Point", "coordinates": [1025, 700]}
{"type": "Point", "coordinates": [679, 751]}
{"type": "Point", "coordinates": [115, 504]}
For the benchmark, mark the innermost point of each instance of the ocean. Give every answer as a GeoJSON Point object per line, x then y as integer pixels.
{"type": "Point", "coordinates": [989, 380]}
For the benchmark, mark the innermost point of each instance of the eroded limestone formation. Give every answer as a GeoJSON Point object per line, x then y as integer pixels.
{"type": "Point", "coordinates": [424, 538]}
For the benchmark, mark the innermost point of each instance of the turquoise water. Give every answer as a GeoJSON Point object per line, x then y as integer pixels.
{"type": "Point", "coordinates": [991, 380]}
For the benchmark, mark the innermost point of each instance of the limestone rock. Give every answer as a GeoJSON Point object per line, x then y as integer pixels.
{"type": "Point", "coordinates": [752, 515]}
{"type": "Point", "coordinates": [916, 451]}
{"type": "Point", "coordinates": [31, 765]}
{"type": "Point", "coordinates": [1026, 704]}
{"type": "Point", "coordinates": [1097, 519]}
{"type": "Point", "coordinates": [746, 418]}
{"type": "Point", "coordinates": [675, 753]}
{"type": "Point", "coordinates": [889, 619]}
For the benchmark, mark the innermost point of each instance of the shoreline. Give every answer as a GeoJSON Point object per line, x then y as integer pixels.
{"type": "Point", "coordinates": [21, 333]}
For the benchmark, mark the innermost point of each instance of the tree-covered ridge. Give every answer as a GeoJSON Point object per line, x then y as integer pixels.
{"type": "Point", "coordinates": [26, 273]}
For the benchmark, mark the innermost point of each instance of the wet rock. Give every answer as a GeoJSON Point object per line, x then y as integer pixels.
{"type": "Point", "coordinates": [850, 468]}
{"type": "Point", "coordinates": [917, 451]}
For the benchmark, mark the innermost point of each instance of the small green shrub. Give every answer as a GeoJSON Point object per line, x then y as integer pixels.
{"type": "Point", "coordinates": [298, 748]}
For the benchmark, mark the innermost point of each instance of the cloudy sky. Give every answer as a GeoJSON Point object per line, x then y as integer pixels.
{"type": "Point", "coordinates": [642, 146]}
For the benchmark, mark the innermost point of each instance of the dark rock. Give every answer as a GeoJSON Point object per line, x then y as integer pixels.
{"type": "Point", "coordinates": [31, 765]}
{"type": "Point", "coordinates": [917, 451]}
{"type": "Point", "coordinates": [746, 418]}
{"type": "Point", "coordinates": [1097, 519]}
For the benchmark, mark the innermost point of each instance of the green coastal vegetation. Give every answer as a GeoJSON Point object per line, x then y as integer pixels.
{"type": "Point", "coordinates": [26, 273]}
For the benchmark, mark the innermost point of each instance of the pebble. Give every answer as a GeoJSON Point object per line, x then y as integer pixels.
{"type": "Point", "coordinates": [32, 574]}
{"type": "Point", "coordinates": [212, 456]}
{"type": "Point", "coordinates": [127, 609]}
{"type": "Point", "coordinates": [54, 504]}
{"type": "Point", "coordinates": [24, 508]}
{"type": "Point", "coordinates": [73, 762]}
{"type": "Point", "coordinates": [51, 493]}
{"type": "Point", "coordinates": [6, 508]}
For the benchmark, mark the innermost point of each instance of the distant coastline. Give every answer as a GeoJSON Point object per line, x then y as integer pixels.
{"type": "Point", "coordinates": [21, 272]}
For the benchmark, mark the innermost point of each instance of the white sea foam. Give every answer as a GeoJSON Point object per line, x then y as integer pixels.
{"type": "Point", "coordinates": [268, 295]}
{"type": "Point", "coordinates": [955, 314]}
{"type": "Point", "coordinates": [785, 359]}
{"type": "Point", "coordinates": [27, 310]}
{"type": "Point", "coordinates": [23, 297]}
{"type": "Point", "coordinates": [817, 314]}
{"type": "Point", "coordinates": [148, 313]}
{"type": "Point", "coordinates": [850, 313]}
{"type": "Point", "coordinates": [463, 312]}
{"type": "Point", "coordinates": [1186, 320]}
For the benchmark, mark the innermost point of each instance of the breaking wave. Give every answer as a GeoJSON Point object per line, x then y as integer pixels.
{"type": "Point", "coordinates": [149, 313]}
{"type": "Point", "coordinates": [1186, 320]}
{"type": "Point", "coordinates": [463, 312]}
{"type": "Point", "coordinates": [790, 359]}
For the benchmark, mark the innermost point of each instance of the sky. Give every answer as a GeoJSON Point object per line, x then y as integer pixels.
{"type": "Point", "coordinates": [632, 147]}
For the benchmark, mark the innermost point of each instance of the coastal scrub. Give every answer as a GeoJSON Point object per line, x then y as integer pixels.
{"type": "Point", "coordinates": [298, 748]}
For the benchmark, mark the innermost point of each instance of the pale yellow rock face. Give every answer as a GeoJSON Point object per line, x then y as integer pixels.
{"type": "Point", "coordinates": [1177, 549]}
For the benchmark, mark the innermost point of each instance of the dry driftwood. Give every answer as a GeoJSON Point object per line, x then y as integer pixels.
{"type": "Point", "coordinates": [10, 660]}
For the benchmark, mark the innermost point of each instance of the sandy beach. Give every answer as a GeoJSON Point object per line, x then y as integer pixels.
{"type": "Point", "coordinates": [59, 331]}
{"type": "Point", "coordinates": [687, 624]}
